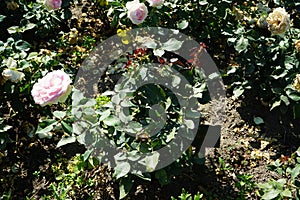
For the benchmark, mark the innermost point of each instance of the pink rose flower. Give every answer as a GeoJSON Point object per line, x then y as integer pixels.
{"type": "Point", "coordinates": [155, 3]}
{"type": "Point", "coordinates": [137, 12]}
{"type": "Point", "coordinates": [53, 4]}
{"type": "Point", "coordinates": [52, 88]}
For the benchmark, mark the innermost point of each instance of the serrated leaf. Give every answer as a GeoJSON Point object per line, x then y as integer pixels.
{"type": "Point", "coordinates": [121, 170]}
{"type": "Point", "coordinates": [59, 114]}
{"type": "Point", "coordinates": [104, 115]}
{"type": "Point", "coordinates": [87, 154]}
{"type": "Point", "coordinates": [270, 194]}
{"type": "Point", "coordinates": [22, 45]}
{"type": "Point", "coordinates": [111, 121]}
{"type": "Point", "coordinates": [66, 140]}
{"type": "Point", "coordinates": [152, 161]}
{"type": "Point", "coordinates": [150, 44]}
{"type": "Point", "coordinates": [172, 45]}
{"type": "Point", "coordinates": [77, 96]}
{"type": "Point", "coordinates": [125, 187]}
{"type": "Point", "coordinates": [46, 129]}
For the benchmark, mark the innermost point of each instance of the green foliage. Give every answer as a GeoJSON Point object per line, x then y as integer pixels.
{"type": "Point", "coordinates": [70, 177]}
{"type": "Point", "coordinates": [187, 196]}
{"type": "Point", "coordinates": [245, 185]}
{"type": "Point", "coordinates": [265, 64]}
{"type": "Point", "coordinates": [287, 187]}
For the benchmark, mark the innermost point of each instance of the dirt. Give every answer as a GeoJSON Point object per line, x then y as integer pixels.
{"type": "Point", "coordinates": [246, 148]}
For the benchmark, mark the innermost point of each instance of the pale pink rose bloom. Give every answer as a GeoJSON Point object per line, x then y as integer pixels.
{"type": "Point", "coordinates": [155, 3]}
{"type": "Point", "coordinates": [137, 12]}
{"type": "Point", "coordinates": [52, 88]}
{"type": "Point", "coordinates": [53, 4]}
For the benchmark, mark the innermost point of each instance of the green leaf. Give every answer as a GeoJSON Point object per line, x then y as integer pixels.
{"type": "Point", "coordinates": [176, 81]}
{"type": "Point", "coordinates": [59, 114]}
{"type": "Point", "coordinates": [111, 121]}
{"type": "Point", "coordinates": [171, 135]}
{"type": "Point", "coordinates": [183, 24]}
{"type": "Point", "coordinates": [172, 45]}
{"type": "Point", "coordinates": [104, 115]}
{"type": "Point", "coordinates": [293, 95]}
{"type": "Point", "coordinates": [13, 29]}
{"type": "Point", "coordinates": [44, 132]}
{"type": "Point", "coordinates": [162, 177]}
{"type": "Point", "coordinates": [298, 152]}
{"type": "Point", "coordinates": [66, 140]}
{"type": "Point", "coordinates": [189, 123]}
{"type": "Point", "coordinates": [275, 104]}
{"type": "Point", "coordinates": [296, 171]}
{"type": "Point", "coordinates": [238, 91]}
{"type": "Point", "coordinates": [67, 128]}
{"type": "Point", "coordinates": [29, 26]}
{"type": "Point", "coordinates": [77, 96]}
{"type": "Point", "coordinates": [87, 154]}
{"type": "Point", "coordinates": [258, 120]}
{"type": "Point", "coordinates": [121, 170]}
{"type": "Point", "coordinates": [150, 44]}
{"type": "Point", "coordinates": [22, 45]}
{"type": "Point", "coordinates": [241, 44]}
{"type": "Point", "coordinates": [4, 128]}
{"type": "Point", "coordinates": [158, 52]}
{"type": "Point", "coordinates": [286, 193]}
{"type": "Point", "coordinates": [2, 17]}
{"type": "Point", "coordinates": [203, 2]}
{"type": "Point", "coordinates": [151, 161]}
{"type": "Point", "coordinates": [285, 100]}
{"type": "Point", "coordinates": [125, 186]}
{"type": "Point", "coordinates": [271, 194]}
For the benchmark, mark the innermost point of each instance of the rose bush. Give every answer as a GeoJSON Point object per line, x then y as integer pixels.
{"type": "Point", "coordinates": [137, 12]}
{"type": "Point", "coordinates": [265, 64]}
{"type": "Point", "coordinates": [52, 88]}
{"type": "Point", "coordinates": [278, 21]}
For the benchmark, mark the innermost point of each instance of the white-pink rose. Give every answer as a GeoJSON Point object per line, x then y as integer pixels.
{"type": "Point", "coordinates": [137, 12]}
{"type": "Point", "coordinates": [53, 4]}
{"type": "Point", "coordinates": [155, 3]}
{"type": "Point", "coordinates": [52, 88]}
